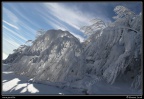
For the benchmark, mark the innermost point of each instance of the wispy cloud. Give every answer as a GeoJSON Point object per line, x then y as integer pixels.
{"type": "Point", "coordinates": [15, 29]}
{"type": "Point", "coordinates": [16, 34]}
{"type": "Point", "coordinates": [73, 17]}
{"type": "Point", "coordinates": [54, 23]}
{"type": "Point", "coordinates": [18, 20]}
{"type": "Point", "coordinates": [8, 46]}
{"type": "Point", "coordinates": [10, 24]}
{"type": "Point", "coordinates": [26, 27]}
{"type": "Point", "coordinates": [24, 17]}
{"type": "Point", "coordinates": [57, 25]}
{"type": "Point", "coordinates": [10, 16]}
{"type": "Point", "coordinates": [78, 36]}
{"type": "Point", "coordinates": [12, 42]}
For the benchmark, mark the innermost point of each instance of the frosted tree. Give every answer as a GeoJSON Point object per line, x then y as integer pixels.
{"type": "Point", "coordinates": [15, 50]}
{"type": "Point", "coordinates": [87, 30]}
{"type": "Point", "coordinates": [40, 32]}
{"type": "Point", "coordinates": [28, 42]}
{"type": "Point", "coordinates": [21, 48]}
{"type": "Point", "coordinates": [111, 54]}
{"type": "Point", "coordinates": [122, 12]}
{"type": "Point", "coordinates": [96, 24]}
{"type": "Point", "coordinates": [124, 18]}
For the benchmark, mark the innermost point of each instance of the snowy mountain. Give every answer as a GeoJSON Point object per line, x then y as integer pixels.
{"type": "Point", "coordinates": [112, 55]}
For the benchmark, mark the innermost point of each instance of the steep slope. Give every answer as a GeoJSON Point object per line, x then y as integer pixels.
{"type": "Point", "coordinates": [115, 52]}
{"type": "Point", "coordinates": [54, 56]}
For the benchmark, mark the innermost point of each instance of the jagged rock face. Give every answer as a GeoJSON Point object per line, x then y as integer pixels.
{"type": "Point", "coordinates": [55, 56]}
{"type": "Point", "coordinates": [115, 52]}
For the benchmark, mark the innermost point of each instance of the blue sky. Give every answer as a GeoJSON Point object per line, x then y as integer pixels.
{"type": "Point", "coordinates": [21, 20]}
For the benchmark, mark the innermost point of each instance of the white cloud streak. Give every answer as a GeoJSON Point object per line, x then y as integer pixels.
{"type": "Point", "coordinates": [15, 33]}
{"type": "Point", "coordinates": [65, 15]}
{"type": "Point", "coordinates": [10, 15]}
{"type": "Point", "coordinates": [13, 43]}
{"type": "Point", "coordinates": [28, 28]}
{"type": "Point", "coordinates": [9, 45]}
{"type": "Point", "coordinates": [10, 24]}
{"type": "Point", "coordinates": [13, 38]}
{"type": "Point", "coordinates": [15, 20]}
{"type": "Point", "coordinates": [24, 17]}
{"type": "Point", "coordinates": [57, 25]}
{"type": "Point", "coordinates": [73, 17]}
{"type": "Point", "coordinates": [78, 36]}
{"type": "Point", "coordinates": [69, 15]}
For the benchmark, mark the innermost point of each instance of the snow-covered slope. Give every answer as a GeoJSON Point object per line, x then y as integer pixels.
{"type": "Point", "coordinates": [54, 56]}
